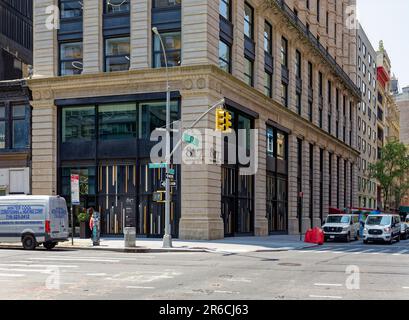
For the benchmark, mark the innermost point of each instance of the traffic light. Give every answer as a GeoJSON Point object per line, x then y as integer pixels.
{"type": "Point", "coordinates": [223, 120]}
{"type": "Point", "coordinates": [228, 123]}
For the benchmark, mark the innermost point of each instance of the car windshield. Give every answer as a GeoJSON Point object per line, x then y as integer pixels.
{"type": "Point", "coordinates": [338, 219]}
{"type": "Point", "coordinates": [378, 221]}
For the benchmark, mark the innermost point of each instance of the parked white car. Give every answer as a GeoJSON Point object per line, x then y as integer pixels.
{"type": "Point", "coordinates": [341, 227]}
{"type": "Point", "coordinates": [33, 220]}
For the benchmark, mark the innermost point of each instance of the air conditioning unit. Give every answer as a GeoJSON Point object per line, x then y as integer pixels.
{"type": "Point", "coordinates": [3, 191]}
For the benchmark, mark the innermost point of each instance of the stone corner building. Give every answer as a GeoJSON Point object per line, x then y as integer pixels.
{"type": "Point", "coordinates": [283, 68]}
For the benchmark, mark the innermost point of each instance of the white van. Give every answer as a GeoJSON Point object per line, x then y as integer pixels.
{"type": "Point", "coordinates": [382, 227]}
{"type": "Point", "coordinates": [33, 220]}
{"type": "Point", "coordinates": [341, 227]}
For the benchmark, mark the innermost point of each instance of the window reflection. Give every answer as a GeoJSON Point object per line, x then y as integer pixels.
{"type": "Point", "coordinates": [78, 124]}
{"type": "Point", "coordinates": [172, 43]}
{"type": "Point", "coordinates": [117, 121]}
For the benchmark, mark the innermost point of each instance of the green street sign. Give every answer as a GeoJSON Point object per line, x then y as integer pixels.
{"type": "Point", "coordinates": [157, 165]}
{"type": "Point", "coordinates": [172, 171]}
{"type": "Point", "coordinates": [190, 139]}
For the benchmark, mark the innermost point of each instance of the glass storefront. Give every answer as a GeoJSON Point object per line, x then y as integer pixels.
{"type": "Point", "coordinates": [277, 181]}
{"type": "Point", "coordinates": [119, 187]}
{"type": "Point", "coordinates": [238, 190]}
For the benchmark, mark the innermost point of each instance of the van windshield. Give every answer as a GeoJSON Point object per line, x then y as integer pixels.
{"type": "Point", "coordinates": [378, 221]}
{"type": "Point", "coordinates": [338, 219]}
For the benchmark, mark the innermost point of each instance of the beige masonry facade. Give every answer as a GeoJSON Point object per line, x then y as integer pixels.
{"type": "Point", "coordinates": [201, 83]}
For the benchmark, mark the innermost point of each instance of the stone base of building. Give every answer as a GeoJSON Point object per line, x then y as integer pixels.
{"type": "Point", "coordinates": [201, 229]}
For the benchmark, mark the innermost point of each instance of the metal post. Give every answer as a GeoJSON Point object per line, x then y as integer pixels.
{"type": "Point", "coordinates": [72, 225]}
{"type": "Point", "coordinates": [167, 238]}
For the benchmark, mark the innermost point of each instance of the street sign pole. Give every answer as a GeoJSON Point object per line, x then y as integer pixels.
{"type": "Point", "coordinates": [75, 200]}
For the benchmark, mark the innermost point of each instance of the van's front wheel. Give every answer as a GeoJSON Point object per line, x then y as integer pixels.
{"type": "Point", "coordinates": [49, 245]}
{"type": "Point", "coordinates": [29, 242]}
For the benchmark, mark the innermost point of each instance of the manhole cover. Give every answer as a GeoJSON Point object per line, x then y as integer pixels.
{"type": "Point", "coordinates": [290, 264]}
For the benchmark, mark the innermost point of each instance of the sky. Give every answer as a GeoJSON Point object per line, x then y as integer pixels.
{"type": "Point", "coordinates": [388, 20]}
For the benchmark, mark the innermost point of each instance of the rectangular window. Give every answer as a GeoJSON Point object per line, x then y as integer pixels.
{"type": "Point", "coordinates": [116, 6]}
{"type": "Point", "coordinates": [173, 48]}
{"type": "Point", "coordinates": [284, 52]}
{"type": "Point", "coordinates": [281, 146]}
{"type": "Point", "coordinates": [298, 66]}
{"type": "Point", "coordinates": [19, 127]}
{"type": "Point", "coordinates": [225, 9]}
{"type": "Point", "coordinates": [165, 3]}
{"type": "Point", "coordinates": [270, 142]}
{"type": "Point", "coordinates": [318, 10]}
{"type": "Point", "coordinates": [152, 115]}
{"type": "Point", "coordinates": [284, 94]}
{"type": "Point", "coordinates": [248, 71]}
{"type": "Point", "coordinates": [298, 102]}
{"type": "Point", "coordinates": [70, 58]}
{"type": "Point", "coordinates": [70, 9]}
{"type": "Point", "coordinates": [320, 84]}
{"type": "Point", "coordinates": [268, 35]}
{"type": "Point", "coordinates": [310, 76]}
{"type": "Point", "coordinates": [117, 53]}
{"type": "Point", "coordinates": [224, 56]}
{"type": "Point", "coordinates": [310, 111]}
{"type": "Point", "coordinates": [268, 84]}
{"type": "Point", "coordinates": [78, 124]}
{"type": "Point", "coordinates": [248, 20]}
{"type": "Point", "coordinates": [117, 121]}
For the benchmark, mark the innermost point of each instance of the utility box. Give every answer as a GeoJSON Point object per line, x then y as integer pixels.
{"type": "Point", "coordinates": [130, 237]}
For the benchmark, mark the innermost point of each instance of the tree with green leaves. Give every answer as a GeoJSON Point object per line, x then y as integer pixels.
{"type": "Point", "coordinates": [392, 172]}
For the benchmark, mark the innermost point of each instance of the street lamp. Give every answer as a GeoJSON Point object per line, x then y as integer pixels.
{"type": "Point", "coordinates": [167, 238]}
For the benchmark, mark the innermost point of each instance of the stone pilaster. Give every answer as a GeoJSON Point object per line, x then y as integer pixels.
{"type": "Point", "coordinates": [335, 186]}
{"type": "Point", "coordinates": [277, 66]}
{"type": "Point", "coordinates": [341, 184]}
{"type": "Point", "coordinates": [201, 183]}
{"type": "Point", "coordinates": [92, 37]}
{"type": "Point", "coordinates": [238, 45]}
{"type": "Point", "coordinates": [44, 146]}
{"type": "Point", "coordinates": [44, 40]}
{"type": "Point", "coordinates": [306, 185]}
{"type": "Point", "coordinates": [200, 32]}
{"type": "Point", "coordinates": [292, 185]}
{"type": "Point", "coordinates": [261, 222]}
{"type": "Point", "coordinates": [355, 186]}
{"type": "Point", "coordinates": [316, 187]}
{"type": "Point", "coordinates": [259, 40]}
{"type": "Point", "coordinates": [326, 204]}
{"type": "Point", "coordinates": [141, 34]}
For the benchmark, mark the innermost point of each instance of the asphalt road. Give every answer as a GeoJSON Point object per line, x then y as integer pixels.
{"type": "Point", "coordinates": [334, 271]}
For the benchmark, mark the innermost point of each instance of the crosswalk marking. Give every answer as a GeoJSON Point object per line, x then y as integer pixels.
{"type": "Point", "coordinates": [77, 259]}
{"type": "Point", "coordinates": [15, 265]}
{"type": "Point", "coordinates": [324, 297]}
{"type": "Point", "coordinates": [400, 253]}
{"type": "Point", "coordinates": [12, 275]}
{"type": "Point", "coordinates": [327, 284]}
{"type": "Point", "coordinates": [395, 251]}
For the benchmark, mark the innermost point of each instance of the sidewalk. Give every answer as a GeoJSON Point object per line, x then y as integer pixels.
{"type": "Point", "coordinates": [228, 245]}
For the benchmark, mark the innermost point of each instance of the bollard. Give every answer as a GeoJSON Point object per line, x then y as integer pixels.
{"type": "Point", "coordinates": [130, 237]}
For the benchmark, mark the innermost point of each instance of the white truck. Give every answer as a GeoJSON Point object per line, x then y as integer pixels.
{"type": "Point", "coordinates": [33, 221]}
